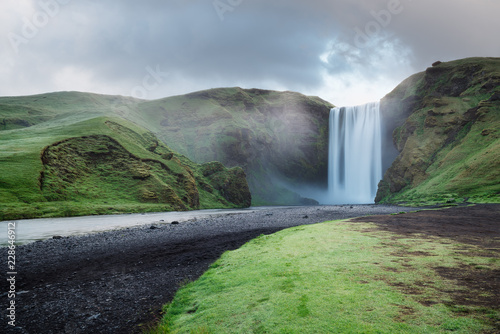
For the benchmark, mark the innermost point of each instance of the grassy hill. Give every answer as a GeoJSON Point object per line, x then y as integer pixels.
{"type": "Point", "coordinates": [446, 124]}
{"type": "Point", "coordinates": [280, 139]}
{"type": "Point", "coordinates": [74, 153]}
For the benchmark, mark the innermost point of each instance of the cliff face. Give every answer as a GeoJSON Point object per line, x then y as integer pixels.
{"type": "Point", "coordinates": [280, 139]}
{"type": "Point", "coordinates": [445, 126]}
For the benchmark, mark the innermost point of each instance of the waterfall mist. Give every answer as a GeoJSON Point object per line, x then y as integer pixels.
{"type": "Point", "coordinates": [355, 154]}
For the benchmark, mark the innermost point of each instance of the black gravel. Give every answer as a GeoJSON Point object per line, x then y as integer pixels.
{"type": "Point", "coordinates": [114, 281]}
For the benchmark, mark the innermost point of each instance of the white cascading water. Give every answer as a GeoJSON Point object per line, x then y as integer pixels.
{"type": "Point", "coordinates": [355, 154]}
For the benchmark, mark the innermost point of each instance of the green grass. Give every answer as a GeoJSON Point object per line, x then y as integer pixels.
{"type": "Point", "coordinates": [335, 277]}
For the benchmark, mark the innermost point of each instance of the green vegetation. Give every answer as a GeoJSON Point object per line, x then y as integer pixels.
{"type": "Point", "coordinates": [335, 277]}
{"type": "Point", "coordinates": [77, 157]}
{"type": "Point", "coordinates": [269, 134]}
{"type": "Point", "coordinates": [445, 123]}
{"type": "Point", "coordinates": [449, 141]}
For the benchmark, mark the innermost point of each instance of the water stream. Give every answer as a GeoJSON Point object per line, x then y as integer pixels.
{"type": "Point", "coordinates": [30, 230]}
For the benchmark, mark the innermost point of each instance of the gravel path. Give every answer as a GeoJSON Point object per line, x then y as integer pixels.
{"type": "Point", "coordinates": [111, 282]}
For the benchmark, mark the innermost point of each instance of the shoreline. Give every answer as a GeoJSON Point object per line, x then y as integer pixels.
{"type": "Point", "coordinates": [40, 229]}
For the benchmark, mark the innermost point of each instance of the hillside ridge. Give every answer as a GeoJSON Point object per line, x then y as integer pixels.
{"type": "Point", "coordinates": [100, 165]}
{"type": "Point", "coordinates": [445, 124]}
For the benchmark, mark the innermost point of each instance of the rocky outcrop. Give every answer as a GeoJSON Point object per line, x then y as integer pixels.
{"type": "Point", "coordinates": [230, 183]}
{"type": "Point", "coordinates": [444, 123]}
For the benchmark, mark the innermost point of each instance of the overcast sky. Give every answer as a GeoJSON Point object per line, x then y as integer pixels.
{"type": "Point", "coordinates": [345, 51]}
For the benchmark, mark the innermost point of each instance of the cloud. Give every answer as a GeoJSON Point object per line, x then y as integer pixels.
{"type": "Point", "coordinates": [346, 51]}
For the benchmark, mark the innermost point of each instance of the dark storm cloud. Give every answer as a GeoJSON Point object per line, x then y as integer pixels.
{"type": "Point", "coordinates": [315, 46]}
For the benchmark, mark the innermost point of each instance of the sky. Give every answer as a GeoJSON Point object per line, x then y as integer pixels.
{"type": "Point", "coordinates": [347, 52]}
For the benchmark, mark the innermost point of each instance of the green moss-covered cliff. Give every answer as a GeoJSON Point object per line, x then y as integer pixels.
{"type": "Point", "coordinates": [445, 125]}
{"type": "Point", "coordinates": [80, 163]}
{"type": "Point", "coordinates": [280, 139]}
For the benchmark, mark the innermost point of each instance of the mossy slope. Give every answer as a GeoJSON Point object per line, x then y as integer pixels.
{"type": "Point", "coordinates": [280, 139]}
{"type": "Point", "coordinates": [446, 124]}
{"type": "Point", "coordinates": [67, 166]}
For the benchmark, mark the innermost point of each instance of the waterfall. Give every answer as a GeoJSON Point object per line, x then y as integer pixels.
{"type": "Point", "coordinates": [355, 154]}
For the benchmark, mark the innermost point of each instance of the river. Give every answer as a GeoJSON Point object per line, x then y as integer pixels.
{"type": "Point", "coordinates": [31, 230]}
